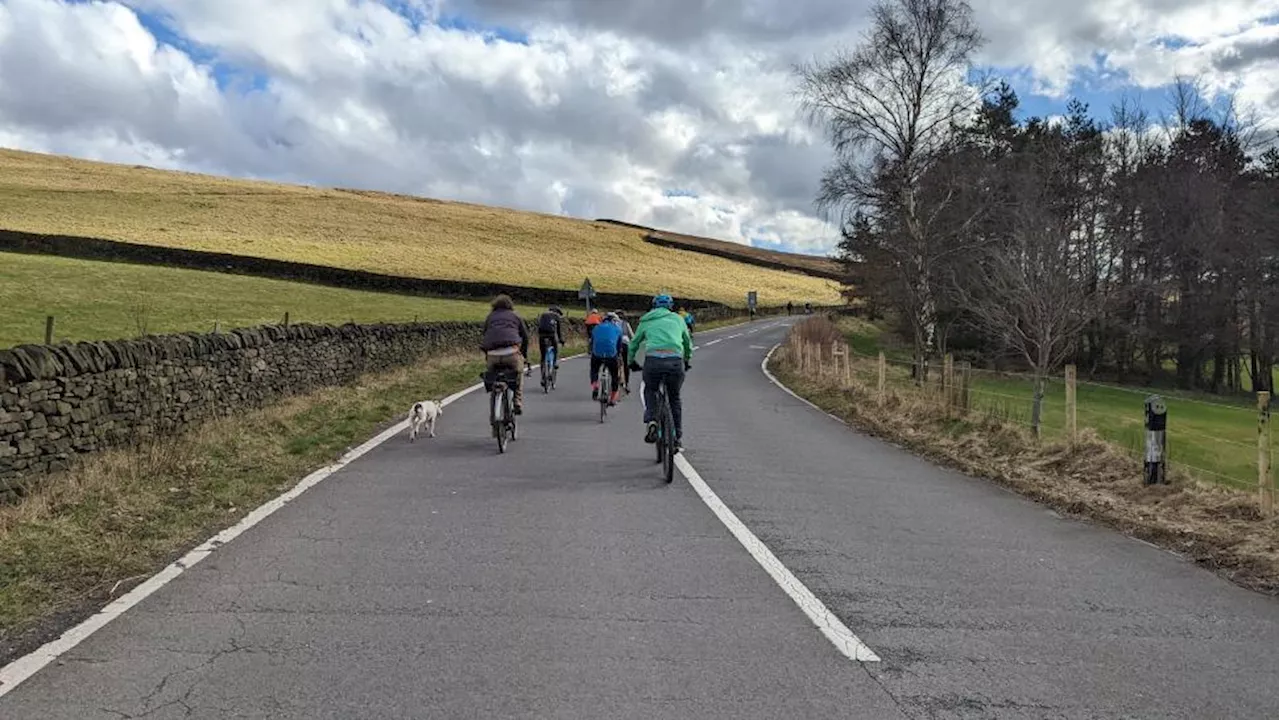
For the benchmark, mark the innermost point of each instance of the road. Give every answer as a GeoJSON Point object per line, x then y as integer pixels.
{"type": "Point", "coordinates": [565, 580]}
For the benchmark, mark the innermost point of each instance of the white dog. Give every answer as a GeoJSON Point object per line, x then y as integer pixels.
{"type": "Point", "coordinates": [424, 413]}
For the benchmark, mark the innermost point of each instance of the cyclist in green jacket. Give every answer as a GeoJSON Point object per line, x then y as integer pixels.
{"type": "Point", "coordinates": [667, 355]}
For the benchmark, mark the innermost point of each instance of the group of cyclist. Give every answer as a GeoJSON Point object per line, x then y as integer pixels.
{"type": "Point", "coordinates": [665, 335]}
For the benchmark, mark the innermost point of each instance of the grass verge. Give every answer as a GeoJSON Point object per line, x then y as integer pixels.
{"type": "Point", "coordinates": [363, 230]}
{"type": "Point", "coordinates": [1212, 438]}
{"type": "Point", "coordinates": [88, 535]}
{"type": "Point", "coordinates": [92, 300]}
{"type": "Point", "coordinates": [1222, 529]}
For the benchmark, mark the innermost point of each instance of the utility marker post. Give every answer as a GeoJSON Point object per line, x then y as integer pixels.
{"type": "Point", "coordinates": [1156, 419]}
{"type": "Point", "coordinates": [1266, 484]}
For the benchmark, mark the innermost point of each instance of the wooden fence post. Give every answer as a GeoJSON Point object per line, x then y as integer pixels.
{"type": "Point", "coordinates": [1265, 483]}
{"type": "Point", "coordinates": [1070, 378]}
{"type": "Point", "coordinates": [48, 330]}
{"type": "Point", "coordinates": [848, 366]}
{"type": "Point", "coordinates": [948, 382]}
{"type": "Point", "coordinates": [286, 320]}
{"type": "Point", "coordinates": [966, 376]}
{"type": "Point", "coordinates": [880, 380]}
{"type": "Point", "coordinates": [217, 327]}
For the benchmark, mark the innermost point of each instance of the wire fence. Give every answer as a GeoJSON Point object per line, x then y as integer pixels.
{"type": "Point", "coordinates": [1216, 442]}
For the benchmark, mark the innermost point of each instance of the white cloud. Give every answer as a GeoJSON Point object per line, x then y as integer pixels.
{"type": "Point", "coordinates": [603, 110]}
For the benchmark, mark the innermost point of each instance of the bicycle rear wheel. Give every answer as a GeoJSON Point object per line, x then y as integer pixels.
{"type": "Point", "coordinates": [497, 404]}
{"type": "Point", "coordinates": [508, 401]}
{"type": "Point", "coordinates": [604, 392]}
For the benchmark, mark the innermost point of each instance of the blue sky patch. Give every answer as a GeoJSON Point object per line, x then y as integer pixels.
{"type": "Point", "coordinates": [491, 33]}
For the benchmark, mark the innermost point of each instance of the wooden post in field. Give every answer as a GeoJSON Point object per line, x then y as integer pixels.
{"type": "Point", "coordinates": [948, 382]}
{"type": "Point", "coordinates": [848, 366]}
{"type": "Point", "coordinates": [880, 377]}
{"type": "Point", "coordinates": [286, 321]}
{"type": "Point", "coordinates": [217, 327]}
{"type": "Point", "coordinates": [1070, 378]}
{"type": "Point", "coordinates": [48, 330]}
{"type": "Point", "coordinates": [1265, 483]}
{"type": "Point", "coordinates": [966, 376]}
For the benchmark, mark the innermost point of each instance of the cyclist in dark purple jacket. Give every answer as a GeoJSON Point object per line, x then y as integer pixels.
{"type": "Point", "coordinates": [506, 344]}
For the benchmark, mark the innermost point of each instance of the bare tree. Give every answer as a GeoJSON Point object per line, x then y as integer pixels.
{"type": "Point", "coordinates": [889, 108]}
{"type": "Point", "coordinates": [1023, 291]}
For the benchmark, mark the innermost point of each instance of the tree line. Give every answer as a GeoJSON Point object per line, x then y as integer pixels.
{"type": "Point", "coordinates": [1142, 251]}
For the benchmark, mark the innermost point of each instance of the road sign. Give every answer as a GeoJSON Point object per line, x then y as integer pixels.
{"type": "Point", "coordinates": [586, 291]}
{"type": "Point", "coordinates": [751, 299]}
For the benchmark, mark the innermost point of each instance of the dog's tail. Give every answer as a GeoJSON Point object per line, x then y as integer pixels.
{"type": "Point", "coordinates": [440, 406]}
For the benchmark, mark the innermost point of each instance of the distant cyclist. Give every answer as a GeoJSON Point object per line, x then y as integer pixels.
{"type": "Point", "coordinates": [505, 344]}
{"type": "Point", "coordinates": [606, 352]}
{"type": "Point", "coordinates": [627, 332]}
{"type": "Point", "coordinates": [551, 333]}
{"type": "Point", "coordinates": [593, 319]}
{"type": "Point", "coordinates": [668, 350]}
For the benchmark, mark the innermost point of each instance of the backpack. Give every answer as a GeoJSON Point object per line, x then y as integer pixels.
{"type": "Point", "coordinates": [547, 323]}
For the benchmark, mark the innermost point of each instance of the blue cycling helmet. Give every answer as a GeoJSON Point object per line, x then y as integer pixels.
{"type": "Point", "coordinates": [664, 300]}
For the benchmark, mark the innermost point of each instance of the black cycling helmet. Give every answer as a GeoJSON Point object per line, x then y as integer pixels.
{"type": "Point", "coordinates": [556, 309]}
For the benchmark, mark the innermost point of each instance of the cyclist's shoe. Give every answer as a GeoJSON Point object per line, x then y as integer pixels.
{"type": "Point", "coordinates": [517, 410]}
{"type": "Point", "coordinates": [613, 398]}
{"type": "Point", "coordinates": [651, 432]}
{"type": "Point", "coordinates": [595, 391]}
{"type": "Point", "coordinates": [679, 444]}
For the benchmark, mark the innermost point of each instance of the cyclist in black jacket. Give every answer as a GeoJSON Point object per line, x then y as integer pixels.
{"type": "Point", "coordinates": [551, 332]}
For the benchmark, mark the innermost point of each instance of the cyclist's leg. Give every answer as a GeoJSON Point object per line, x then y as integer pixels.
{"type": "Point", "coordinates": [544, 345]}
{"type": "Point", "coordinates": [515, 363]}
{"type": "Point", "coordinates": [595, 371]}
{"type": "Point", "coordinates": [650, 377]}
{"type": "Point", "coordinates": [624, 369]}
{"type": "Point", "coordinates": [612, 365]}
{"type": "Point", "coordinates": [674, 378]}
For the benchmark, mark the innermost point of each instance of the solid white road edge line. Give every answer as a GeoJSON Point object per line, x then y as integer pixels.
{"type": "Point", "coordinates": [13, 674]}
{"type": "Point", "coordinates": [831, 626]}
{"type": "Point", "coordinates": [764, 368]}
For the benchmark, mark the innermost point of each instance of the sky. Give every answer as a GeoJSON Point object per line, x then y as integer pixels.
{"type": "Point", "coordinates": [672, 113]}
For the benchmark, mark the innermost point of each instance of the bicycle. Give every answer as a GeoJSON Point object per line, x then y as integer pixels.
{"type": "Point", "coordinates": [606, 389]}
{"type": "Point", "coordinates": [548, 369]}
{"type": "Point", "coordinates": [666, 444]}
{"type": "Point", "coordinates": [501, 398]}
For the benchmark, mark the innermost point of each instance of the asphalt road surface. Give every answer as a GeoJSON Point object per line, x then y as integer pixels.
{"type": "Point", "coordinates": [566, 580]}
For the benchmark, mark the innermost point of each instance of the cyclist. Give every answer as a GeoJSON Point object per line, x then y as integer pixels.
{"type": "Point", "coordinates": [551, 334]}
{"type": "Point", "coordinates": [689, 320]}
{"type": "Point", "coordinates": [506, 344]}
{"type": "Point", "coordinates": [627, 332]}
{"type": "Point", "coordinates": [593, 319]}
{"type": "Point", "coordinates": [606, 344]}
{"type": "Point", "coordinates": [668, 351]}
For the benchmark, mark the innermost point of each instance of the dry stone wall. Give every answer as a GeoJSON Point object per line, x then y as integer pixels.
{"type": "Point", "coordinates": [62, 400]}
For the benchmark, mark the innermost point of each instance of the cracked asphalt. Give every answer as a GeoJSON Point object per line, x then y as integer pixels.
{"type": "Point", "coordinates": [565, 580]}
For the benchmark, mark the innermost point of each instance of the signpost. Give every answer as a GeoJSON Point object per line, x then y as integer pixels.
{"type": "Point", "coordinates": [586, 292]}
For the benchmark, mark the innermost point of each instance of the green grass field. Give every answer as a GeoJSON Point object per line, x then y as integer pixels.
{"type": "Point", "coordinates": [93, 300]}
{"type": "Point", "coordinates": [1214, 438]}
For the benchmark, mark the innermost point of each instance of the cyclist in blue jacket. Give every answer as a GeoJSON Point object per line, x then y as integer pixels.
{"type": "Point", "coordinates": [606, 349]}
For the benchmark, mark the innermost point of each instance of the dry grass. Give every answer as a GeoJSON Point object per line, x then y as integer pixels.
{"type": "Point", "coordinates": [378, 232]}
{"type": "Point", "coordinates": [1223, 529]}
{"type": "Point", "coordinates": [87, 535]}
